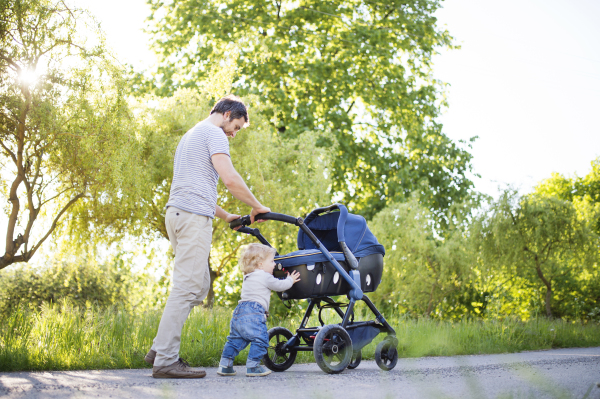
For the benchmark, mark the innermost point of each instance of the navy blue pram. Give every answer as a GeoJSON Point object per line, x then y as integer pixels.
{"type": "Point", "coordinates": [337, 255]}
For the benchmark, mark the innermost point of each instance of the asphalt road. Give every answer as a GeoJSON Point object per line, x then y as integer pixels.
{"type": "Point", "coordinates": [562, 373]}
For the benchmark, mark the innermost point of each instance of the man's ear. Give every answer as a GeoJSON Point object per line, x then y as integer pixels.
{"type": "Point", "coordinates": [226, 115]}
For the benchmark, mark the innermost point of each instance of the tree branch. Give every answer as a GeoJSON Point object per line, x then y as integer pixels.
{"type": "Point", "coordinates": [350, 107]}
{"type": "Point", "coordinates": [10, 249]}
{"type": "Point", "coordinates": [56, 196]}
{"type": "Point", "coordinates": [9, 152]}
{"type": "Point", "coordinates": [228, 257]}
{"type": "Point", "coordinates": [54, 224]}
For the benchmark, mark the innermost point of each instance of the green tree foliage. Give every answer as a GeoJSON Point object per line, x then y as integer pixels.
{"type": "Point", "coordinates": [289, 176]}
{"type": "Point", "coordinates": [422, 271]}
{"type": "Point", "coordinates": [358, 71]}
{"type": "Point", "coordinates": [64, 124]}
{"type": "Point", "coordinates": [541, 240]}
{"type": "Point", "coordinates": [583, 192]}
{"type": "Point", "coordinates": [80, 280]}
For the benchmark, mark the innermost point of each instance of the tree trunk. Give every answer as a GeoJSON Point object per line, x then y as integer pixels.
{"type": "Point", "coordinates": [210, 298]}
{"type": "Point", "coordinates": [548, 301]}
{"type": "Point", "coordinates": [548, 285]}
{"type": "Point", "coordinates": [430, 305]}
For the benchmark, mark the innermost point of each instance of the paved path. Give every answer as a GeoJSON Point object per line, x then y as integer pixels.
{"type": "Point", "coordinates": [562, 373]}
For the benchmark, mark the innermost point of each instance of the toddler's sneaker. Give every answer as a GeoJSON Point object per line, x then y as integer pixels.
{"type": "Point", "coordinates": [226, 371]}
{"type": "Point", "coordinates": [258, 371]}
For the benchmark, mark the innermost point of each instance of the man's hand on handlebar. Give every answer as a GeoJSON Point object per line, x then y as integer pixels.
{"type": "Point", "coordinates": [231, 217]}
{"type": "Point", "coordinates": [256, 211]}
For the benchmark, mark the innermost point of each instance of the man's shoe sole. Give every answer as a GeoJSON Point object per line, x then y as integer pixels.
{"type": "Point", "coordinates": [259, 375]}
{"type": "Point", "coordinates": [194, 375]}
{"type": "Point", "coordinates": [226, 374]}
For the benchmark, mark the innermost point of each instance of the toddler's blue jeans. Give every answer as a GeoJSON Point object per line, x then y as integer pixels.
{"type": "Point", "coordinates": [248, 326]}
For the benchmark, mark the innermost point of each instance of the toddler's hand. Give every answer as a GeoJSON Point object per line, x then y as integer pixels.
{"type": "Point", "coordinates": [295, 276]}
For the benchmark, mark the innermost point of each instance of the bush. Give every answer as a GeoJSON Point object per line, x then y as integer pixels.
{"type": "Point", "coordinates": [81, 282]}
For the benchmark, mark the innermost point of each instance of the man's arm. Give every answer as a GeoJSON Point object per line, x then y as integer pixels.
{"type": "Point", "coordinates": [226, 216]}
{"type": "Point", "coordinates": [236, 185]}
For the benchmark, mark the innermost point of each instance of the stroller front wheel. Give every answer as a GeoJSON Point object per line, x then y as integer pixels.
{"type": "Point", "coordinates": [386, 355]}
{"type": "Point", "coordinates": [278, 358]}
{"type": "Point", "coordinates": [356, 358]}
{"type": "Point", "coordinates": [333, 349]}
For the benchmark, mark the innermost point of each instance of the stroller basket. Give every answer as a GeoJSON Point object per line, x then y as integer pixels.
{"type": "Point", "coordinates": [362, 336]}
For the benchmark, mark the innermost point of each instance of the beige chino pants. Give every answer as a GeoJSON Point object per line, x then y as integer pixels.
{"type": "Point", "coordinates": [190, 236]}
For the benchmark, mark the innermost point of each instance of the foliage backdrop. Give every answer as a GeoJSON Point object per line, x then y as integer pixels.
{"type": "Point", "coordinates": [343, 106]}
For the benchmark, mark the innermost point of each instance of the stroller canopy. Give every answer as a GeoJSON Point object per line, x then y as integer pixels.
{"type": "Point", "coordinates": [356, 234]}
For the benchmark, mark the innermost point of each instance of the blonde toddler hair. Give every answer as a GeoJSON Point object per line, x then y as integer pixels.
{"type": "Point", "coordinates": [252, 255]}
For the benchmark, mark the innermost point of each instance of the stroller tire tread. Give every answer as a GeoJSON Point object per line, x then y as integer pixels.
{"type": "Point", "coordinates": [356, 359]}
{"type": "Point", "coordinates": [386, 355]}
{"type": "Point", "coordinates": [275, 351]}
{"type": "Point", "coordinates": [332, 341]}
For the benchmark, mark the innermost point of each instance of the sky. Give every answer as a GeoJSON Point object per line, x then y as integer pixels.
{"type": "Point", "coordinates": [526, 81]}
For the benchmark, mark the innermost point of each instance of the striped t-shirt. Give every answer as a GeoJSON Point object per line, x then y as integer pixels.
{"type": "Point", "coordinates": [194, 186]}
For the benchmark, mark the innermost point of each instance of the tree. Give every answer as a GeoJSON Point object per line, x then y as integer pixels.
{"type": "Point", "coordinates": [540, 239]}
{"type": "Point", "coordinates": [358, 71]}
{"type": "Point", "coordinates": [64, 122]}
{"type": "Point", "coordinates": [286, 175]}
{"type": "Point", "coordinates": [421, 271]}
{"type": "Point", "coordinates": [583, 192]}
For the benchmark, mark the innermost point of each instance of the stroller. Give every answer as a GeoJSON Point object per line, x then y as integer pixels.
{"type": "Point", "coordinates": [337, 255]}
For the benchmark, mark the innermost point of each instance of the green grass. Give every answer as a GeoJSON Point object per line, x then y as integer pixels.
{"type": "Point", "coordinates": [60, 337]}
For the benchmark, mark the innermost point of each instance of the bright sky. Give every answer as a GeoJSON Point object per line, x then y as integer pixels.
{"type": "Point", "coordinates": [526, 81]}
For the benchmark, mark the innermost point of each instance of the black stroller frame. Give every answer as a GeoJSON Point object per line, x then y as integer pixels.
{"type": "Point", "coordinates": [332, 345]}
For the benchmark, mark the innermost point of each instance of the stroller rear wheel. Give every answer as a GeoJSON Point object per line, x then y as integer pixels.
{"type": "Point", "coordinates": [356, 358]}
{"type": "Point", "coordinates": [278, 358]}
{"type": "Point", "coordinates": [333, 349]}
{"type": "Point", "coordinates": [386, 355]}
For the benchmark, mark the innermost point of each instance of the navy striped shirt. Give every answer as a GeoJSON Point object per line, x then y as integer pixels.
{"type": "Point", "coordinates": [194, 186]}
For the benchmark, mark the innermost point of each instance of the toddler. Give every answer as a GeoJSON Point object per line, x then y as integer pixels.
{"type": "Point", "coordinates": [249, 321]}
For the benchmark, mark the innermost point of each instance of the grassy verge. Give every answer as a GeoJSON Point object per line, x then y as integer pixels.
{"type": "Point", "coordinates": [61, 337]}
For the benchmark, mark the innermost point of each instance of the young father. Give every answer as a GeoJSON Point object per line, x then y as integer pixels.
{"type": "Point", "coordinates": [202, 157]}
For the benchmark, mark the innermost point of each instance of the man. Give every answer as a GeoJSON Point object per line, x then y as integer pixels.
{"type": "Point", "coordinates": [202, 157]}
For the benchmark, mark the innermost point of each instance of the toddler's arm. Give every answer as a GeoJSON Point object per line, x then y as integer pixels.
{"type": "Point", "coordinates": [275, 284]}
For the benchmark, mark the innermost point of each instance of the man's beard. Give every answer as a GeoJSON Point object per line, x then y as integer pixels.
{"type": "Point", "coordinates": [228, 134]}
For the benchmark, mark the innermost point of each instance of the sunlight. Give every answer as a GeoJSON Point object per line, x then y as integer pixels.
{"type": "Point", "coordinates": [29, 76]}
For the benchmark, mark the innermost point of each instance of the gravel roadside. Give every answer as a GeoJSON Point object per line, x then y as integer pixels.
{"type": "Point", "coordinates": [561, 373]}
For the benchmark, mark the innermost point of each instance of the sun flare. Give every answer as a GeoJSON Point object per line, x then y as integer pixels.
{"type": "Point", "coordinates": [29, 76]}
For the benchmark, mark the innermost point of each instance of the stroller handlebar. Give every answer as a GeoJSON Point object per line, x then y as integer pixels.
{"type": "Point", "coordinates": [243, 221]}
{"type": "Point", "coordinates": [280, 217]}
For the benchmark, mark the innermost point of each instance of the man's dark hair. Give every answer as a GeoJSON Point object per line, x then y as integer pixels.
{"type": "Point", "coordinates": [231, 103]}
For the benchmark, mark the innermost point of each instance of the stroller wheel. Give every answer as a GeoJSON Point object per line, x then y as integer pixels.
{"type": "Point", "coordinates": [356, 358]}
{"type": "Point", "coordinates": [386, 355]}
{"type": "Point", "coordinates": [333, 349]}
{"type": "Point", "coordinates": [277, 358]}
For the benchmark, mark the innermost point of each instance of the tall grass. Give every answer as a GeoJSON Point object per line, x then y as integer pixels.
{"type": "Point", "coordinates": [64, 337]}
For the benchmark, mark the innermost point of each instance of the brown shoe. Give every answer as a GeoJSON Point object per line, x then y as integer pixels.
{"type": "Point", "coordinates": [150, 356]}
{"type": "Point", "coordinates": [179, 369]}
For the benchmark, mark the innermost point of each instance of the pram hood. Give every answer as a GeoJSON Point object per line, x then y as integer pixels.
{"type": "Point", "coordinates": [330, 232]}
